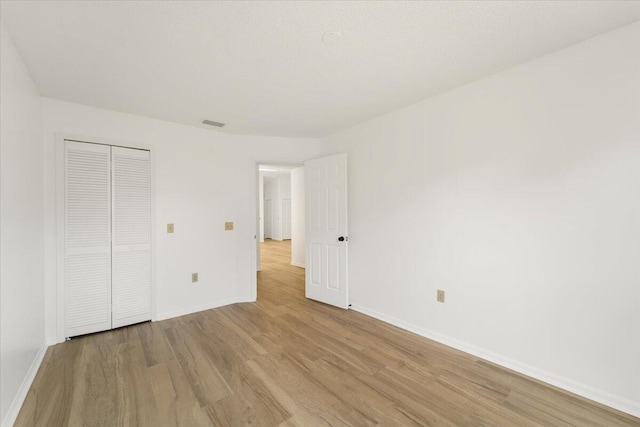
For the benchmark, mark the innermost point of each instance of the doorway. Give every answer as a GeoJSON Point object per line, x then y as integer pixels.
{"type": "Point", "coordinates": [321, 191]}
{"type": "Point", "coordinates": [280, 212]}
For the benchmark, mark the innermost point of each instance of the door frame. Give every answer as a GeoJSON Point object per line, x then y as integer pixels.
{"type": "Point", "coordinates": [255, 208]}
{"type": "Point", "coordinates": [60, 222]}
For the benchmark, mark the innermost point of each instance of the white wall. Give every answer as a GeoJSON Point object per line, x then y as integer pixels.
{"type": "Point", "coordinates": [284, 182]}
{"type": "Point", "coordinates": [272, 192]}
{"type": "Point", "coordinates": [519, 195]}
{"type": "Point", "coordinates": [22, 329]}
{"type": "Point", "coordinates": [277, 189]}
{"type": "Point", "coordinates": [297, 217]}
{"type": "Point", "coordinates": [202, 179]}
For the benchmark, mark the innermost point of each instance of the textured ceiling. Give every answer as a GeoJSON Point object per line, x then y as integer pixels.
{"type": "Point", "coordinates": [262, 68]}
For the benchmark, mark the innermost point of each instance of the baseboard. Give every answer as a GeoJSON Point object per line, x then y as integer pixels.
{"type": "Point", "coordinates": [605, 398]}
{"type": "Point", "coordinates": [18, 400]}
{"type": "Point", "coordinates": [190, 310]}
{"type": "Point", "coordinates": [50, 342]}
{"type": "Point", "coordinates": [297, 264]}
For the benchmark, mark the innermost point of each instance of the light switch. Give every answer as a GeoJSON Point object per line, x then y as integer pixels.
{"type": "Point", "coordinates": [228, 226]}
{"type": "Point", "coordinates": [194, 277]}
{"type": "Point", "coordinates": [169, 228]}
{"type": "Point", "coordinates": [440, 296]}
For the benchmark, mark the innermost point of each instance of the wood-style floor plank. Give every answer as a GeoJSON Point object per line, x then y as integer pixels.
{"type": "Point", "coordinates": [287, 361]}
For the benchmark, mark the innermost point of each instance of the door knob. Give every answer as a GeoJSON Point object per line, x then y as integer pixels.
{"type": "Point", "coordinates": [341, 239]}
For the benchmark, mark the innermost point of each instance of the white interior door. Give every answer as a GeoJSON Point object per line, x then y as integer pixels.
{"type": "Point", "coordinates": [87, 238]}
{"type": "Point", "coordinates": [267, 219]}
{"type": "Point", "coordinates": [131, 195]}
{"type": "Point", "coordinates": [286, 219]}
{"type": "Point", "coordinates": [326, 230]}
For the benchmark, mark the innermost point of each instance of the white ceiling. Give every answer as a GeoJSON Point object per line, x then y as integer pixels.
{"type": "Point", "coordinates": [262, 68]}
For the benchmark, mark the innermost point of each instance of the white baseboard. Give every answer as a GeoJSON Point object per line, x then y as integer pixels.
{"type": "Point", "coordinates": [297, 264]}
{"type": "Point", "coordinates": [603, 397]}
{"type": "Point", "coordinates": [203, 307]}
{"type": "Point", "coordinates": [18, 400]}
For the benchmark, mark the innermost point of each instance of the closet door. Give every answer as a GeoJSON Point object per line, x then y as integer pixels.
{"type": "Point", "coordinates": [87, 231]}
{"type": "Point", "coordinates": [131, 223]}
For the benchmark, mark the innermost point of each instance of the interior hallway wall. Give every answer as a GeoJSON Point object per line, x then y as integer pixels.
{"type": "Point", "coordinates": [297, 217]}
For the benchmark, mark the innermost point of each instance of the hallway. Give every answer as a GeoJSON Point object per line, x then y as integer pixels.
{"type": "Point", "coordinates": [279, 280]}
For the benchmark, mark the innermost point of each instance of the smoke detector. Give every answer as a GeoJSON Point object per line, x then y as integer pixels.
{"type": "Point", "coordinates": [331, 38]}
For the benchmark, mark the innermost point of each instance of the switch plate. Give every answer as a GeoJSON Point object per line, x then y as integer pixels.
{"type": "Point", "coordinates": [440, 295]}
{"type": "Point", "coordinates": [194, 277]}
{"type": "Point", "coordinates": [169, 228]}
{"type": "Point", "coordinates": [228, 226]}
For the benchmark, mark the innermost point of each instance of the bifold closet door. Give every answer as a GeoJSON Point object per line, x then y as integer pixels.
{"type": "Point", "coordinates": [131, 246]}
{"type": "Point", "coordinates": [87, 230]}
{"type": "Point", "coordinates": [107, 251]}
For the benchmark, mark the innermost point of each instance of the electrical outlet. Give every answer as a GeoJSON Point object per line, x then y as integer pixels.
{"type": "Point", "coordinates": [194, 277]}
{"type": "Point", "coordinates": [440, 295]}
{"type": "Point", "coordinates": [228, 226]}
{"type": "Point", "coordinates": [169, 228]}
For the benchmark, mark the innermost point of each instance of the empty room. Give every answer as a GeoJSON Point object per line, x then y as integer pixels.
{"type": "Point", "coordinates": [319, 213]}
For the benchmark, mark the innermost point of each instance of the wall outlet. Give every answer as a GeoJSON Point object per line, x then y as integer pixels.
{"type": "Point", "coordinates": [228, 226]}
{"type": "Point", "coordinates": [194, 277]}
{"type": "Point", "coordinates": [169, 228]}
{"type": "Point", "coordinates": [440, 295]}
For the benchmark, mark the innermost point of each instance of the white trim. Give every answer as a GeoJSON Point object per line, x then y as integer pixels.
{"type": "Point", "coordinates": [583, 390]}
{"type": "Point", "coordinates": [202, 307]}
{"type": "Point", "coordinates": [60, 137]}
{"type": "Point", "coordinates": [60, 240]}
{"type": "Point", "coordinates": [18, 400]}
{"type": "Point", "coordinates": [297, 264]}
{"type": "Point", "coordinates": [255, 252]}
{"type": "Point", "coordinates": [103, 141]}
{"type": "Point", "coordinates": [154, 291]}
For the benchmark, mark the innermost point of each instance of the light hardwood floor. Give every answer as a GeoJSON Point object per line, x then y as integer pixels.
{"type": "Point", "coordinates": [287, 361]}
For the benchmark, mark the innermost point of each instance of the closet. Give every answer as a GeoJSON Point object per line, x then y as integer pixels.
{"type": "Point", "coordinates": [107, 237]}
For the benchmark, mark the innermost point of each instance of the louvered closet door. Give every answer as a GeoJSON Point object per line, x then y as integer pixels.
{"type": "Point", "coordinates": [131, 281]}
{"type": "Point", "coordinates": [87, 254]}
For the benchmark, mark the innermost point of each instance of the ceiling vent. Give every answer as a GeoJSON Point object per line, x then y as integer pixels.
{"type": "Point", "coordinates": [212, 123]}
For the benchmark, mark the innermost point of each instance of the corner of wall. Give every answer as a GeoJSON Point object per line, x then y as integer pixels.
{"type": "Point", "coordinates": [18, 400]}
{"type": "Point", "coordinates": [567, 384]}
